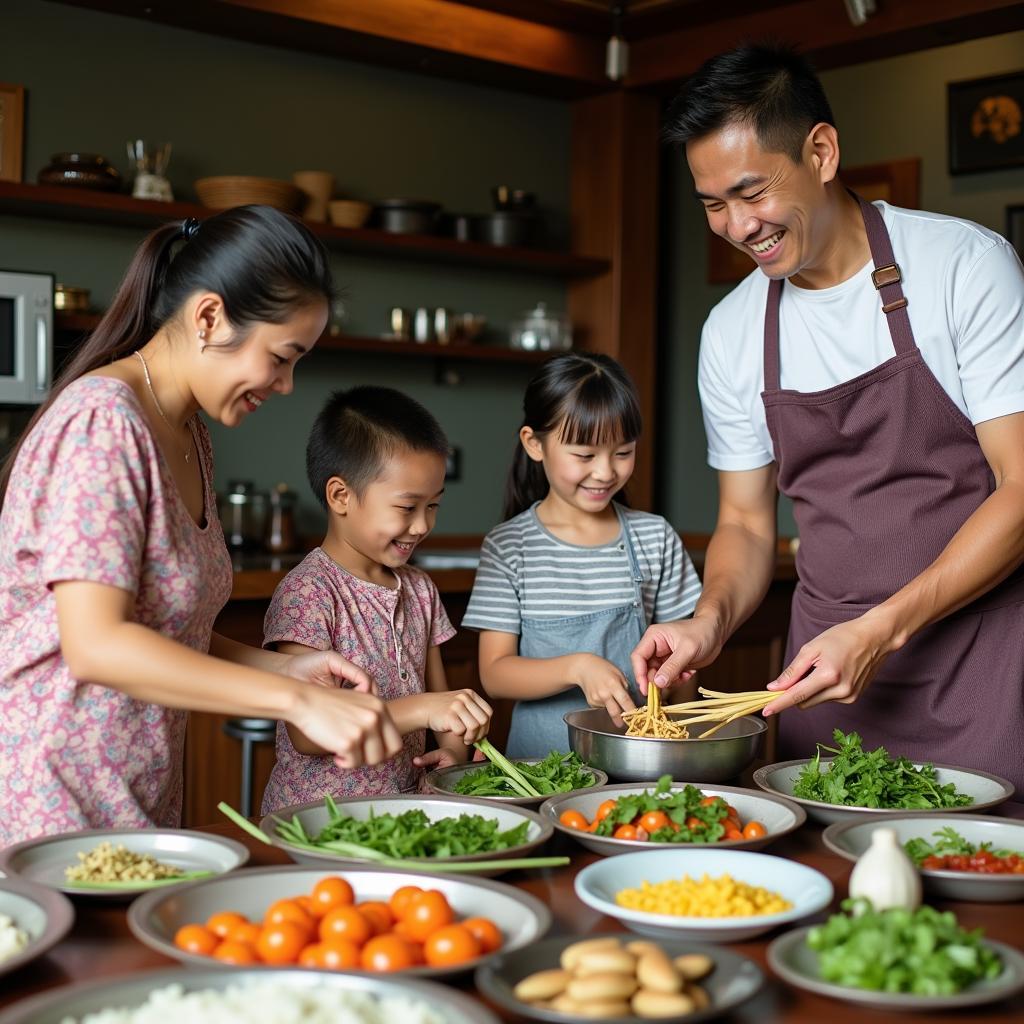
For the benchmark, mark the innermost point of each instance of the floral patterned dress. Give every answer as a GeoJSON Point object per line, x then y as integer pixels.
{"type": "Point", "coordinates": [386, 632]}
{"type": "Point", "coordinates": [92, 499]}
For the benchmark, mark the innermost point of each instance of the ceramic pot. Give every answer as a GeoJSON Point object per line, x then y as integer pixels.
{"type": "Point", "coordinates": [81, 170]}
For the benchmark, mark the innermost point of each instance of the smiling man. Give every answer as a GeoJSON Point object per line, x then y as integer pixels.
{"type": "Point", "coordinates": [872, 369]}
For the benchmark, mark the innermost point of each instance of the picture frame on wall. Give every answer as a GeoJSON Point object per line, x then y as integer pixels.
{"type": "Point", "coordinates": [986, 123]}
{"type": "Point", "coordinates": [12, 131]}
{"type": "Point", "coordinates": [895, 181]}
{"type": "Point", "coordinates": [1015, 228]}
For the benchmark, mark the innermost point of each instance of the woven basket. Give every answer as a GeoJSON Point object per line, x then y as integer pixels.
{"type": "Point", "coordinates": [225, 191]}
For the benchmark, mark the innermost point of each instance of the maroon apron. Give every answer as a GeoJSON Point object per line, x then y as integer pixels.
{"type": "Point", "coordinates": [882, 471]}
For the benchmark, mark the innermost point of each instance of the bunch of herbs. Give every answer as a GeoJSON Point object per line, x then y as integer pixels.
{"type": "Point", "coordinates": [556, 773]}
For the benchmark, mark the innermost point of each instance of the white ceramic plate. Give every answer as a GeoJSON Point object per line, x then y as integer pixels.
{"type": "Point", "coordinates": [795, 962]}
{"type": "Point", "coordinates": [75, 1001]}
{"type": "Point", "coordinates": [44, 860]}
{"type": "Point", "coordinates": [986, 790]}
{"type": "Point", "coordinates": [42, 914]}
{"type": "Point", "coordinates": [808, 890]}
{"type": "Point", "coordinates": [778, 815]}
{"type": "Point", "coordinates": [314, 817]}
{"type": "Point", "coordinates": [851, 838]}
{"type": "Point", "coordinates": [155, 917]}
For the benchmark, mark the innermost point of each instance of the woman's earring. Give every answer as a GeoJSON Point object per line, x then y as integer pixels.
{"type": "Point", "coordinates": [202, 341]}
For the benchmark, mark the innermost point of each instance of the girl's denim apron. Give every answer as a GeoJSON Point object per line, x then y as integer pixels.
{"type": "Point", "coordinates": [537, 725]}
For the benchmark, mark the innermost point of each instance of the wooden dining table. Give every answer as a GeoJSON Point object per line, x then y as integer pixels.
{"type": "Point", "coordinates": [100, 944]}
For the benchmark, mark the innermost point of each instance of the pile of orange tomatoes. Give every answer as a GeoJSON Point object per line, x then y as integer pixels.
{"type": "Point", "coordinates": [329, 929]}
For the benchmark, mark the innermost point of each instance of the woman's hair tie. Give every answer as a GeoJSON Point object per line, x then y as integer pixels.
{"type": "Point", "coordinates": [189, 227]}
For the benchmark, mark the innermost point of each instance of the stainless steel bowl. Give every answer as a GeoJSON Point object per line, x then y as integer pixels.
{"type": "Point", "coordinates": [593, 736]}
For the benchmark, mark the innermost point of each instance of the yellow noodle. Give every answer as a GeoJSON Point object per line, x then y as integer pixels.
{"type": "Point", "coordinates": [652, 722]}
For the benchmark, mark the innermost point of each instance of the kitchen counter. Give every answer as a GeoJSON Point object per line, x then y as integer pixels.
{"type": "Point", "coordinates": [100, 944]}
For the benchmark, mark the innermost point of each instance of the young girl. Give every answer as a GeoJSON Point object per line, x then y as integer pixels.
{"type": "Point", "coordinates": [376, 462]}
{"type": "Point", "coordinates": [112, 562]}
{"type": "Point", "coordinates": [569, 582]}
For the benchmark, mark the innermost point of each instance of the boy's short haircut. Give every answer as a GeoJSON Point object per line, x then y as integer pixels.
{"type": "Point", "coordinates": [358, 430]}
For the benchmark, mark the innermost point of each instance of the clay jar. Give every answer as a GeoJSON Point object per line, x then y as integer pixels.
{"type": "Point", "coordinates": [319, 187]}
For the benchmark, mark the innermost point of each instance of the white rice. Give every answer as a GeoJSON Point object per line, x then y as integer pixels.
{"type": "Point", "coordinates": [12, 939]}
{"type": "Point", "coordinates": [267, 1002]}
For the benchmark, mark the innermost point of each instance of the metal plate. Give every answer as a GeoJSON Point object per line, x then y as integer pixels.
{"type": "Point", "coordinates": [987, 791]}
{"type": "Point", "coordinates": [92, 996]}
{"type": "Point", "coordinates": [155, 917]}
{"type": "Point", "coordinates": [795, 962]}
{"type": "Point", "coordinates": [600, 743]}
{"type": "Point", "coordinates": [44, 860]}
{"type": "Point", "coordinates": [851, 838]}
{"type": "Point", "coordinates": [734, 980]}
{"type": "Point", "coordinates": [807, 889]}
{"type": "Point", "coordinates": [444, 781]}
{"type": "Point", "coordinates": [44, 915]}
{"type": "Point", "coordinates": [778, 815]}
{"type": "Point", "coordinates": [314, 817]}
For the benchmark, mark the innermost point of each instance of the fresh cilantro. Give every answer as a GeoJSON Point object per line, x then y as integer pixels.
{"type": "Point", "coordinates": [856, 778]}
{"type": "Point", "coordinates": [681, 806]}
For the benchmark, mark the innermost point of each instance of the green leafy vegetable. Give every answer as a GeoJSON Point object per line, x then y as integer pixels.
{"type": "Point", "coordinates": [557, 773]}
{"type": "Point", "coordinates": [924, 951]}
{"type": "Point", "coordinates": [118, 885]}
{"type": "Point", "coordinates": [949, 842]}
{"type": "Point", "coordinates": [856, 778]}
{"type": "Point", "coordinates": [680, 805]}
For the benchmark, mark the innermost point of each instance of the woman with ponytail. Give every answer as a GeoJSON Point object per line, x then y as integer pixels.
{"type": "Point", "coordinates": [113, 565]}
{"type": "Point", "coordinates": [570, 581]}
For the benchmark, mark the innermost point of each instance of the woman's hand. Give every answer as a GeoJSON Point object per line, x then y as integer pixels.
{"type": "Point", "coordinates": [328, 668]}
{"type": "Point", "coordinates": [460, 713]}
{"type": "Point", "coordinates": [837, 665]}
{"type": "Point", "coordinates": [353, 725]}
{"type": "Point", "coordinates": [671, 652]}
{"type": "Point", "coordinates": [603, 685]}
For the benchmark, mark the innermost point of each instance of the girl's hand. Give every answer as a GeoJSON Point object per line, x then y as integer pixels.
{"type": "Point", "coordinates": [328, 668]}
{"type": "Point", "coordinates": [352, 725]}
{"type": "Point", "coordinates": [836, 665]}
{"type": "Point", "coordinates": [462, 713]}
{"type": "Point", "coordinates": [603, 685]}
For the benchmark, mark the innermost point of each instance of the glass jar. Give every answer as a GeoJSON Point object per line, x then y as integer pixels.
{"type": "Point", "coordinates": [281, 520]}
{"type": "Point", "coordinates": [541, 331]}
{"type": "Point", "coordinates": [243, 516]}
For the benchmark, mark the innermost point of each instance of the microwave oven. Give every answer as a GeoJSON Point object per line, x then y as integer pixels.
{"type": "Point", "coordinates": [26, 337]}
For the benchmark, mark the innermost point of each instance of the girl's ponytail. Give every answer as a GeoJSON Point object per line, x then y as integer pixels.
{"type": "Point", "coordinates": [590, 399]}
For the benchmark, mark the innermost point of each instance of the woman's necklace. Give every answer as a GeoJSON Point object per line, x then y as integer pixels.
{"type": "Point", "coordinates": [156, 401]}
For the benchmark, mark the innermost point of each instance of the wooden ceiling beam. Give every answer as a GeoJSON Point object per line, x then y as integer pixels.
{"type": "Point", "coordinates": [821, 29]}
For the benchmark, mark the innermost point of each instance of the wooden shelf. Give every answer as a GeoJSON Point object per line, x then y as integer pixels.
{"type": "Point", "coordinates": [83, 323]}
{"type": "Point", "coordinates": [76, 204]}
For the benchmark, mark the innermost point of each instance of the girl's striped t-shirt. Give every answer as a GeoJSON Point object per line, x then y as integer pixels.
{"type": "Point", "coordinates": [527, 572]}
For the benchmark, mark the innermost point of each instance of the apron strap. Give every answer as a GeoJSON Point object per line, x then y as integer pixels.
{"type": "Point", "coordinates": [771, 336]}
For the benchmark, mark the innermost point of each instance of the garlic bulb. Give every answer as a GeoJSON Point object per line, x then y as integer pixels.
{"type": "Point", "coordinates": [885, 875]}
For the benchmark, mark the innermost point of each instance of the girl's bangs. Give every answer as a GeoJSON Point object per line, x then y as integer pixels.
{"type": "Point", "coordinates": [599, 414]}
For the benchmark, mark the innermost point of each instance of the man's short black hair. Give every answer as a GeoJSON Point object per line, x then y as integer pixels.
{"type": "Point", "coordinates": [358, 430]}
{"type": "Point", "coordinates": [767, 86]}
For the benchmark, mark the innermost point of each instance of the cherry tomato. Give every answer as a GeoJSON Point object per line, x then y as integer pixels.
{"type": "Point", "coordinates": [732, 833]}
{"type": "Point", "coordinates": [694, 823]}
{"type": "Point", "coordinates": [625, 832]}
{"type": "Point", "coordinates": [345, 923]}
{"type": "Point", "coordinates": [330, 892]}
{"type": "Point", "coordinates": [454, 944]}
{"type": "Point", "coordinates": [224, 922]}
{"type": "Point", "coordinates": [247, 932]}
{"type": "Point", "coordinates": [336, 955]}
{"type": "Point", "coordinates": [573, 819]}
{"type": "Point", "coordinates": [378, 914]}
{"type": "Point", "coordinates": [653, 820]}
{"type": "Point", "coordinates": [289, 910]}
{"type": "Point", "coordinates": [486, 932]}
{"type": "Point", "coordinates": [429, 911]}
{"type": "Point", "coordinates": [281, 943]}
{"type": "Point", "coordinates": [386, 953]}
{"type": "Point", "coordinates": [605, 809]}
{"type": "Point", "coordinates": [241, 954]}
{"type": "Point", "coordinates": [401, 900]}
{"type": "Point", "coordinates": [194, 938]}
{"type": "Point", "coordinates": [306, 902]}
{"type": "Point", "coordinates": [754, 830]}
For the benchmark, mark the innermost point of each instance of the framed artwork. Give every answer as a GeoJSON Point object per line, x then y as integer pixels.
{"type": "Point", "coordinates": [896, 181]}
{"type": "Point", "coordinates": [986, 132]}
{"type": "Point", "coordinates": [1015, 228]}
{"type": "Point", "coordinates": [12, 131]}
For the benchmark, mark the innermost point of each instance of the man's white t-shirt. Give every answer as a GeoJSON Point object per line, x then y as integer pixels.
{"type": "Point", "coordinates": [964, 287]}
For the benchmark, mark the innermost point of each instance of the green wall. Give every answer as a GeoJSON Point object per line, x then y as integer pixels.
{"type": "Point", "coordinates": [885, 110]}
{"type": "Point", "coordinates": [95, 80]}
